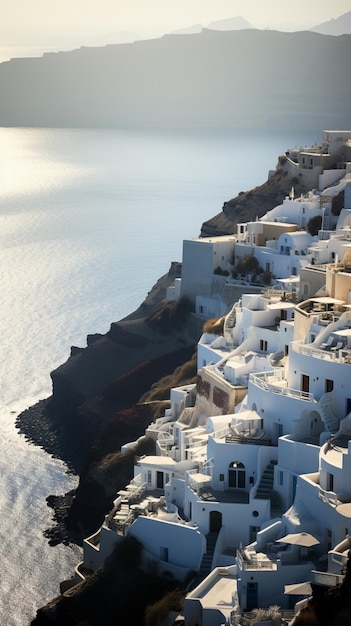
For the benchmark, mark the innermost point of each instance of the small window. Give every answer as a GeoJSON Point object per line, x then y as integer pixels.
{"type": "Point", "coordinates": [263, 345]}
{"type": "Point", "coordinates": [221, 478]}
{"type": "Point", "coordinates": [164, 554]}
{"type": "Point", "coordinates": [329, 385]}
{"type": "Point", "coordinates": [149, 477]}
{"type": "Point", "coordinates": [330, 482]}
{"type": "Point", "coordinates": [281, 478]}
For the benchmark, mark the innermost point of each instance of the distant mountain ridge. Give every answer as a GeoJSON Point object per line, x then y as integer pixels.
{"type": "Point", "coordinates": [231, 23]}
{"type": "Point", "coordinates": [338, 26]}
{"type": "Point", "coordinates": [213, 79]}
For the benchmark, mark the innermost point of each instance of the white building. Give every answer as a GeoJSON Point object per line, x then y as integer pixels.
{"type": "Point", "coordinates": [250, 483]}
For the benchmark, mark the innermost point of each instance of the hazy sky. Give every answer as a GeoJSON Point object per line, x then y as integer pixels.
{"type": "Point", "coordinates": [38, 20]}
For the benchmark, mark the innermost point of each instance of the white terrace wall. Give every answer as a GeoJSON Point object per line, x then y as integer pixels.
{"type": "Point", "coordinates": [200, 258]}
{"type": "Point", "coordinates": [184, 545]}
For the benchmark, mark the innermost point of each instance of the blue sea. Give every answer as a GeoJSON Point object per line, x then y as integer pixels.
{"type": "Point", "coordinates": [89, 220]}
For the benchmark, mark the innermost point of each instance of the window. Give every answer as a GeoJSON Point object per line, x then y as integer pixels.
{"type": "Point", "coordinates": [164, 554]}
{"type": "Point", "coordinates": [263, 345]}
{"type": "Point", "coordinates": [253, 532]}
{"type": "Point", "coordinates": [236, 478]}
{"type": "Point", "coordinates": [329, 385]}
{"type": "Point", "coordinates": [281, 478]}
{"type": "Point", "coordinates": [279, 430]}
{"type": "Point", "coordinates": [330, 482]}
{"type": "Point", "coordinates": [305, 383]}
{"type": "Point", "coordinates": [149, 477]}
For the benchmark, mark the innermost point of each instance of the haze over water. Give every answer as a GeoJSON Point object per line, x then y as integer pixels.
{"type": "Point", "coordinates": [89, 220]}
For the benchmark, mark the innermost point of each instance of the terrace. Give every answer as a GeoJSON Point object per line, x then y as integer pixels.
{"type": "Point", "coordinates": [332, 350]}
{"type": "Point", "coordinates": [274, 382]}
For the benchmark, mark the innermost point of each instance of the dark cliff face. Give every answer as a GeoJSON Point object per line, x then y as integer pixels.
{"type": "Point", "coordinates": [249, 205]}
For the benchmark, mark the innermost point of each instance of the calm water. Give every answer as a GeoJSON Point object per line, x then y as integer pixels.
{"type": "Point", "coordinates": [89, 220]}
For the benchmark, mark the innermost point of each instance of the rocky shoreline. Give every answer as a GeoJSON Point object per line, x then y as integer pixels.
{"type": "Point", "coordinates": [94, 407]}
{"type": "Point", "coordinates": [42, 426]}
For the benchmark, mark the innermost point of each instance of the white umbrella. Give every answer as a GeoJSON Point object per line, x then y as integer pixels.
{"type": "Point", "coordinates": [300, 539]}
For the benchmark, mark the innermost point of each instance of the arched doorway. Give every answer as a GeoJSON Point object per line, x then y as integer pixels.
{"type": "Point", "coordinates": [236, 475]}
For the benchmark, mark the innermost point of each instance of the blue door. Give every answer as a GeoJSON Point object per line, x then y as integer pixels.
{"type": "Point", "coordinates": [252, 596]}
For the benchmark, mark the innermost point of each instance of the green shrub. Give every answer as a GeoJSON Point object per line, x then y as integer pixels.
{"type": "Point", "coordinates": [314, 225]}
{"type": "Point", "coordinates": [172, 601]}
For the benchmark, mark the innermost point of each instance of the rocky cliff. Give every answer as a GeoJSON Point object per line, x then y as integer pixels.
{"type": "Point", "coordinates": [94, 408]}
{"type": "Point", "coordinates": [249, 205]}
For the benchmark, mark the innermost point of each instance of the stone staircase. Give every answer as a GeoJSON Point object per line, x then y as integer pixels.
{"type": "Point", "coordinates": [265, 487]}
{"type": "Point", "coordinates": [229, 323]}
{"type": "Point", "coordinates": [326, 218]}
{"type": "Point", "coordinates": [330, 421]}
{"type": "Point", "coordinates": [206, 563]}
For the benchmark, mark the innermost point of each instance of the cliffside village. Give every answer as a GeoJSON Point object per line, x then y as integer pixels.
{"type": "Point", "coordinates": [250, 486]}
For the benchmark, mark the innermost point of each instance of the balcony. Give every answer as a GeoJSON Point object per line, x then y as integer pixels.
{"type": "Point", "coordinates": [274, 382]}
{"type": "Point", "coordinates": [251, 560]}
{"type": "Point", "coordinates": [336, 354]}
{"type": "Point", "coordinates": [326, 579]}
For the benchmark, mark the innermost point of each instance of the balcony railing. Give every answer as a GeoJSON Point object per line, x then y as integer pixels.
{"type": "Point", "coordinates": [252, 562]}
{"type": "Point", "coordinates": [326, 579]}
{"type": "Point", "coordinates": [263, 380]}
{"type": "Point", "coordinates": [336, 354]}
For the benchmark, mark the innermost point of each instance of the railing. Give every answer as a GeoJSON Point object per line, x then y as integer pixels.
{"type": "Point", "coordinates": [326, 579]}
{"type": "Point", "coordinates": [253, 563]}
{"type": "Point", "coordinates": [261, 380]}
{"type": "Point", "coordinates": [198, 453]}
{"type": "Point", "coordinates": [342, 355]}
{"type": "Point", "coordinates": [309, 350]}
{"type": "Point", "coordinates": [165, 440]}
{"type": "Point", "coordinates": [244, 439]}
{"type": "Point", "coordinates": [219, 434]}
{"type": "Point", "coordinates": [329, 497]}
